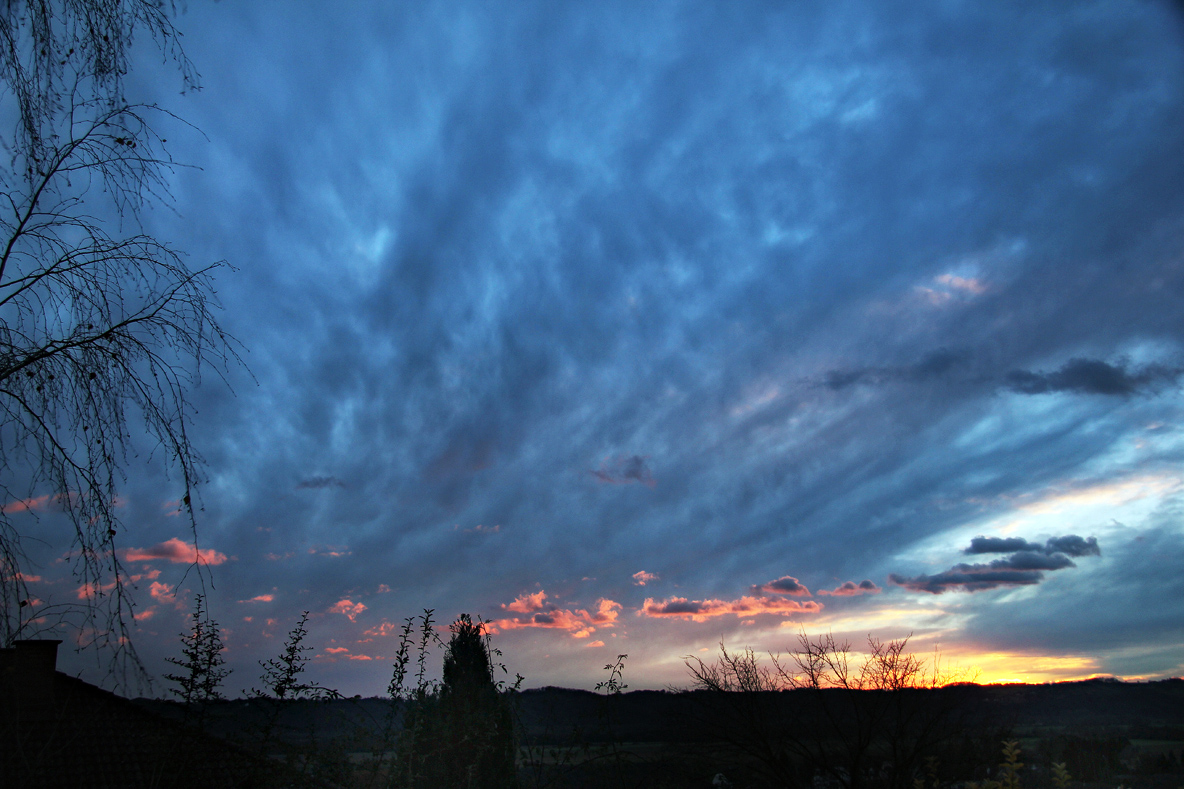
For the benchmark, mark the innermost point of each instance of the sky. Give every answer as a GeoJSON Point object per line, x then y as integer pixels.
{"type": "Point", "coordinates": [638, 328]}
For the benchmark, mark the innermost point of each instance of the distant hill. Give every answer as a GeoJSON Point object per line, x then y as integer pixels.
{"type": "Point", "coordinates": [1148, 709]}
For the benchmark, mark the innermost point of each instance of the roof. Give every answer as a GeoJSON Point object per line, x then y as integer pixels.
{"type": "Point", "coordinates": [59, 731]}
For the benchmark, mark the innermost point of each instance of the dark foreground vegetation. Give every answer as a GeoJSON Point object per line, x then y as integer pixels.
{"type": "Point", "coordinates": [816, 718]}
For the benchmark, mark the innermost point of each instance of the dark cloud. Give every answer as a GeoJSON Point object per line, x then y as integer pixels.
{"type": "Point", "coordinates": [313, 483]}
{"type": "Point", "coordinates": [623, 470]}
{"type": "Point", "coordinates": [1070, 545]}
{"type": "Point", "coordinates": [786, 584]}
{"type": "Point", "coordinates": [1024, 566]}
{"type": "Point", "coordinates": [938, 364]}
{"type": "Point", "coordinates": [1000, 545]}
{"type": "Point", "coordinates": [852, 589]}
{"type": "Point", "coordinates": [1093, 376]}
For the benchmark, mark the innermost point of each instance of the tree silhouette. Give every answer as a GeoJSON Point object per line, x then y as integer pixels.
{"type": "Point", "coordinates": [102, 327]}
{"type": "Point", "coordinates": [462, 735]}
{"type": "Point", "coordinates": [201, 663]}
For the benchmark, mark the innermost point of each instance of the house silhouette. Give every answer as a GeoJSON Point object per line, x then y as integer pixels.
{"type": "Point", "coordinates": [58, 731]}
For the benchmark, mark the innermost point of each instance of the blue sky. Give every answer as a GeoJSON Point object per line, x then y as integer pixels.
{"type": "Point", "coordinates": [638, 329]}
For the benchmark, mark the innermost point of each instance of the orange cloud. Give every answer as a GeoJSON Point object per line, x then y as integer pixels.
{"type": "Point", "coordinates": [534, 611]}
{"type": "Point", "coordinates": [263, 598]}
{"type": "Point", "coordinates": [175, 551]}
{"type": "Point", "coordinates": [595, 644]}
{"type": "Point", "coordinates": [336, 650]}
{"type": "Point", "coordinates": [641, 578]}
{"type": "Point", "coordinates": [348, 608]}
{"type": "Point", "coordinates": [359, 657]}
{"type": "Point", "coordinates": [702, 610]}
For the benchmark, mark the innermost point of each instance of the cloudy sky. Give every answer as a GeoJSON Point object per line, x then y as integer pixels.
{"type": "Point", "coordinates": [633, 331]}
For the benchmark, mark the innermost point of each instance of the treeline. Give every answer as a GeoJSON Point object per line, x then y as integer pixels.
{"type": "Point", "coordinates": [817, 717]}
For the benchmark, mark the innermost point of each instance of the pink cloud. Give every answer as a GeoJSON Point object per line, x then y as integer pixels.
{"type": "Point", "coordinates": [336, 650]}
{"type": "Point", "coordinates": [175, 551]}
{"type": "Point", "coordinates": [526, 603]}
{"type": "Point", "coordinates": [24, 505]}
{"type": "Point", "coordinates": [595, 644]}
{"type": "Point", "coordinates": [263, 598]}
{"type": "Point", "coordinates": [786, 584]}
{"type": "Point", "coordinates": [145, 615]}
{"type": "Point", "coordinates": [968, 284]}
{"type": "Point", "coordinates": [702, 610]}
{"type": "Point", "coordinates": [385, 629]}
{"type": "Point", "coordinates": [383, 588]}
{"type": "Point", "coordinates": [330, 550]}
{"type": "Point", "coordinates": [641, 578]}
{"type": "Point", "coordinates": [275, 557]}
{"type": "Point", "coordinates": [348, 608]}
{"type": "Point", "coordinates": [533, 611]}
{"type": "Point", "coordinates": [359, 657]}
{"type": "Point", "coordinates": [161, 592]}
{"type": "Point", "coordinates": [851, 589]}
{"type": "Point", "coordinates": [91, 591]}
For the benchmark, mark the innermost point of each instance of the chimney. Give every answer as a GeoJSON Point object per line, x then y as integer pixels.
{"type": "Point", "coordinates": [36, 657]}
{"type": "Point", "coordinates": [27, 673]}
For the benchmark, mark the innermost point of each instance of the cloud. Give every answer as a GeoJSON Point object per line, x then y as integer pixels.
{"type": "Point", "coordinates": [25, 505]}
{"type": "Point", "coordinates": [1092, 376]}
{"type": "Point", "coordinates": [348, 608]}
{"type": "Point", "coordinates": [702, 610]}
{"type": "Point", "coordinates": [316, 483]}
{"type": "Point", "coordinates": [527, 603]}
{"type": "Point", "coordinates": [336, 650]}
{"type": "Point", "coordinates": [175, 551]}
{"type": "Point", "coordinates": [533, 611]}
{"type": "Point", "coordinates": [851, 589]}
{"type": "Point", "coordinates": [1070, 545]}
{"type": "Point", "coordinates": [161, 592]}
{"type": "Point", "coordinates": [624, 470]}
{"type": "Point", "coordinates": [786, 584]}
{"type": "Point", "coordinates": [596, 643]}
{"type": "Point", "coordinates": [263, 598]}
{"type": "Point", "coordinates": [1025, 565]}
{"type": "Point", "coordinates": [939, 363]}
{"type": "Point", "coordinates": [641, 577]}
{"type": "Point", "coordinates": [334, 551]}
{"type": "Point", "coordinates": [387, 628]}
